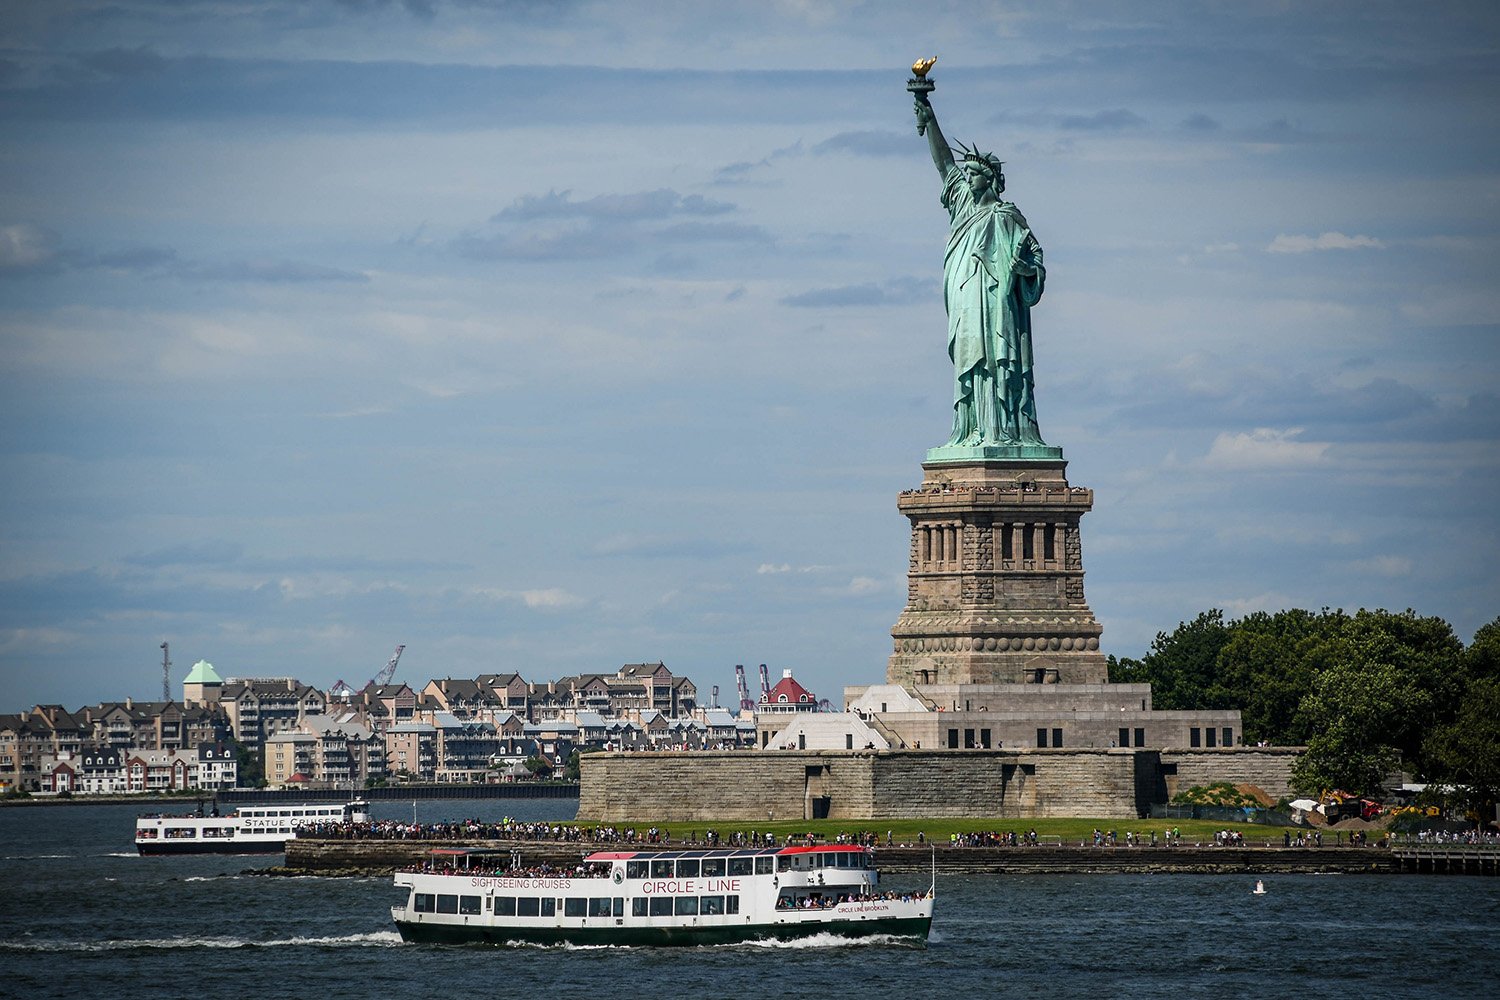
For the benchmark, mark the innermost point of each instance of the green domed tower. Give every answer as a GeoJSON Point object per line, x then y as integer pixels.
{"type": "Point", "coordinates": [202, 685]}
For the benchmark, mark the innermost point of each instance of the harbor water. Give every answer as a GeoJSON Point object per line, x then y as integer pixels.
{"type": "Point", "coordinates": [83, 915]}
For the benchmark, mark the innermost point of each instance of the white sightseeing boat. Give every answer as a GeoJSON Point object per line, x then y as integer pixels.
{"type": "Point", "coordinates": [658, 898]}
{"type": "Point", "coordinates": [247, 830]}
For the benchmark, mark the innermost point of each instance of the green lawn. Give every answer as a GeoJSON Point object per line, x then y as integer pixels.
{"type": "Point", "coordinates": [904, 831]}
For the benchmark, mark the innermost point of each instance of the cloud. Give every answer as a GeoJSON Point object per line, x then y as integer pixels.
{"type": "Point", "coordinates": [1102, 121]}
{"type": "Point", "coordinates": [896, 291]}
{"type": "Point", "coordinates": [125, 63]}
{"type": "Point", "coordinates": [209, 553]}
{"type": "Point", "coordinates": [24, 247]}
{"type": "Point", "coordinates": [1386, 565]}
{"type": "Point", "coordinates": [275, 272]}
{"type": "Point", "coordinates": [659, 204]}
{"type": "Point", "coordinates": [1265, 448]}
{"type": "Point", "coordinates": [1199, 123]}
{"type": "Point", "coordinates": [1284, 243]}
{"type": "Point", "coordinates": [551, 599]}
{"type": "Point", "coordinates": [868, 144]}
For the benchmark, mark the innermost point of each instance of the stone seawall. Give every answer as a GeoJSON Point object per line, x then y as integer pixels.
{"type": "Point", "coordinates": [750, 786]}
{"type": "Point", "coordinates": [1268, 768]}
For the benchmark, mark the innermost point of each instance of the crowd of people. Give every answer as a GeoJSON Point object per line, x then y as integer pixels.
{"type": "Point", "coordinates": [828, 902]}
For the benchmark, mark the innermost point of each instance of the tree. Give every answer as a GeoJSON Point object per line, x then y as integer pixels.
{"type": "Point", "coordinates": [1465, 753]}
{"type": "Point", "coordinates": [1180, 667]}
{"type": "Point", "coordinates": [1383, 682]}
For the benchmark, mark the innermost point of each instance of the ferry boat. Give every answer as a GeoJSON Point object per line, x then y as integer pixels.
{"type": "Point", "coordinates": [247, 830]}
{"type": "Point", "coordinates": [657, 898]}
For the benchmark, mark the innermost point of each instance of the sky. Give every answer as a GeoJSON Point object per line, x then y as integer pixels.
{"type": "Point", "coordinates": [552, 336]}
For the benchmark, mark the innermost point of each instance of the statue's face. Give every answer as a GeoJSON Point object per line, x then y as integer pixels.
{"type": "Point", "coordinates": [979, 178]}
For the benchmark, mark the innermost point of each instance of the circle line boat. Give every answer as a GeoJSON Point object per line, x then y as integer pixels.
{"type": "Point", "coordinates": [691, 897]}
{"type": "Point", "coordinates": [246, 830]}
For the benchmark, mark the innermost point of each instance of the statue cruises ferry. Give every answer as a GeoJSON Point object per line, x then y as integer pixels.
{"type": "Point", "coordinates": [658, 898]}
{"type": "Point", "coordinates": [248, 830]}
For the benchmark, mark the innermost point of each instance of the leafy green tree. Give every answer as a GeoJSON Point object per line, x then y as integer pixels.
{"type": "Point", "coordinates": [1465, 753]}
{"type": "Point", "coordinates": [1383, 682]}
{"type": "Point", "coordinates": [1180, 667]}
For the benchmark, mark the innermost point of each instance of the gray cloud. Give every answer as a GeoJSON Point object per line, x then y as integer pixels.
{"type": "Point", "coordinates": [272, 272]}
{"type": "Point", "coordinates": [660, 204]}
{"type": "Point", "coordinates": [1117, 120]}
{"type": "Point", "coordinates": [870, 144]}
{"type": "Point", "coordinates": [125, 63]}
{"type": "Point", "coordinates": [209, 553]}
{"type": "Point", "coordinates": [896, 291]}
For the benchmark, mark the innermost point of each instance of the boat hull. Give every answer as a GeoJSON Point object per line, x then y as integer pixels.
{"type": "Point", "coordinates": [914, 928]}
{"type": "Point", "coordinates": [200, 847]}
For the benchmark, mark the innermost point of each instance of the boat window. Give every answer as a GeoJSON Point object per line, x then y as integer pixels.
{"type": "Point", "coordinates": [661, 906]}
{"type": "Point", "coordinates": [742, 866]}
{"type": "Point", "coordinates": [638, 906]}
{"type": "Point", "coordinates": [784, 863]}
{"type": "Point", "coordinates": [685, 906]}
{"type": "Point", "coordinates": [549, 907]}
{"type": "Point", "coordinates": [505, 906]}
{"type": "Point", "coordinates": [424, 902]}
{"type": "Point", "coordinates": [710, 905]}
{"type": "Point", "coordinates": [688, 868]}
{"type": "Point", "coordinates": [529, 906]}
{"type": "Point", "coordinates": [447, 902]}
{"type": "Point", "coordinates": [637, 869]}
{"type": "Point", "coordinates": [600, 907]}
{"type": "Point", "coordinates": [765, 865]}
{"type": "Point", "coordinates": [470, 904]}
{"type": "Point", "coordinates": [713, 866]}
{"type": "Point", "coordinates": [661, 869]}
{"type": "Point", "coordinates": [731, 904]}
{"type": "Point", "coordinates": [575, 907]}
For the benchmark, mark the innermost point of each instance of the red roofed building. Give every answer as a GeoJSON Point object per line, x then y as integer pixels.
{"type": "Point", "coordinates": [787, 696]}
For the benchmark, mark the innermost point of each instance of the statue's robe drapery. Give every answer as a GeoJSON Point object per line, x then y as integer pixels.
{"type": "Point", "coordinates": [988, 289]}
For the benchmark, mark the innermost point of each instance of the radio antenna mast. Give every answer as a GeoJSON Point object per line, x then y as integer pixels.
{"type": "Point", "coordinates": [166, 674]}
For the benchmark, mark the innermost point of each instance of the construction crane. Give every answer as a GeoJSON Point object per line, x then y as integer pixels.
{"type": "Point", "coordinates": [747, 704]}
{"type": "Point", "coordinates": [343, 692]}
{"type": "Point", "coordinates": [389, 670]}
{"type": "Point", "coordinates": [166, 674]}
{"type": "Point", "coordinates": [765, 684]}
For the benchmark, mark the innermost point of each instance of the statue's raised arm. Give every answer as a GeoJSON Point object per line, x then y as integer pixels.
{"type": "Point", "coordinates": [942, 156]}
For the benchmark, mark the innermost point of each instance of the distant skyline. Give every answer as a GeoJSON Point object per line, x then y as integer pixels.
{"type": "Point", "coordinates": [551, 336]}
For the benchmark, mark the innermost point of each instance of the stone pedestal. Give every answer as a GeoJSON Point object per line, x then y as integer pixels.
{"type": "Point", "coordinates": [995, 579]}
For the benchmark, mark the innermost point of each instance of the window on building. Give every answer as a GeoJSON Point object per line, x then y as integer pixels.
{"type": "Point", "coordinates": [1210, 734]}
{"type": "Point", "coordinates": [953, 739]}
{"type": "Point", "coordinates": [984, 738]}
{"type": "Point", "coordinates": [1057, 737]}
{"type": "Point", "coordinates": [968, 739]}
{"type": "Point", "coordinates": [1140, 737]}
{"type": "Point", "coordinates": [1124, 740]}
{"type": "Point", "coordinates": [1195, 737]}
{"type": "Point", "coordinates": [1041, 737]}
{"type": "Point", "coordinates": [1228, 737]}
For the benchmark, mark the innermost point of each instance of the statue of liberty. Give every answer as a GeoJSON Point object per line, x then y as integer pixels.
{"type": "Point", "coordinates": [992, 276]}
